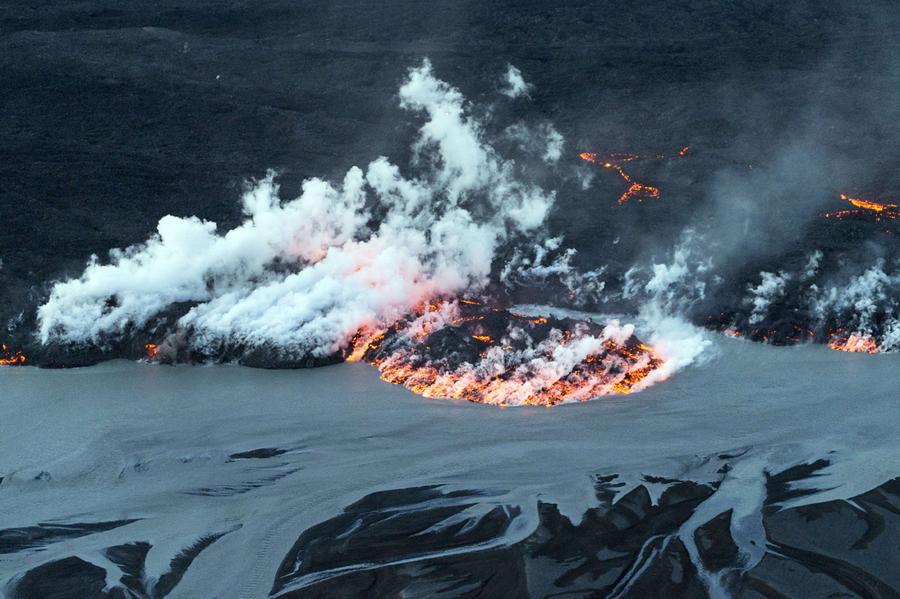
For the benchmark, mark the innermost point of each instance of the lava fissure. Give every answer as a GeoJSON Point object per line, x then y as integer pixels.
{"type": "Point", "coordinates": [865, 209]}
{"type": "Point", "coordinates": [636, 190]}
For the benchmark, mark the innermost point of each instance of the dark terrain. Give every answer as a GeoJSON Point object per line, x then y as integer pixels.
{"type": "Point", "coordinates": [116, 114]}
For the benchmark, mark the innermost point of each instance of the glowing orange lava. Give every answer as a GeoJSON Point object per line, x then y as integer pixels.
{"type": "Point", "coordinates": [10, 358]}
{"type": "Point", "coordinates": [518, 360]}
{"type": "Point", "coordinates": [854, 343]}
{"type": "Point", "coordinates": [614, 371]}
{"type": "Point", "coordinates": [865, 208]}
{"type": "Point", "coordinates": [152, 351]}
{"type": "Point", "coordinates": [365, 340]}
{"type": "Point", "coordinates": [636, 190]}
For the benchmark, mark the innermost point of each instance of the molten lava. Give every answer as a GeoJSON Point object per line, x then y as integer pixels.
{"type": "Point", "coordinates": [364, 341]}
{"type": "Point", "coordinates": [152, 351]}
{"type": "Point", "coordinates": [635, 189]}
{"type": "Point", "coordinates": [10, 358]}
{"type": "Point", "coordinates": [854, 343]}
{"type": "Point", "coordinates": [493, 356]}
{"type": "Point", "coordinates": [865, 208]}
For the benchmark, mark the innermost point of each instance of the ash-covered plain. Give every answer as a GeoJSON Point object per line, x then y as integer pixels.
{"type": "Point", "coordinates": [517, 204]}
{"type": "Point", "coordinates": [766, 472]}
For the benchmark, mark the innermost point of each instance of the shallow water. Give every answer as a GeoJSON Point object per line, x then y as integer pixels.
{"type": "Point", "coordinates": [135, 441]}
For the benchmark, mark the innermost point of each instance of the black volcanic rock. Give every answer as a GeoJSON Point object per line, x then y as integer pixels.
{"type": "Point", "coordinates": [13, 540]}
{"type": "Point", "coordinates": [115, 116]}
{"type": "Point", "coordinates": [75, 578]}
{"type": "Point", "coordinates": [407, 541]}
{"type": "Point", "coordinates": [67, 578]}
{"type": "Point", "coordinates": [714, 542]}
{"type": "Point", "coordinates": [433, 541]}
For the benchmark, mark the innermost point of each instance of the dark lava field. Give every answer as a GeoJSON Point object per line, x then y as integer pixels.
{"type": "Point", "coordinates": [116, 114]}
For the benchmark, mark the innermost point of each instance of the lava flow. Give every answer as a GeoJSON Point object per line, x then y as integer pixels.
{"type": "Point", "coordinates": [152, 351]}
{"type": "Point", "coordinates": [10, 358]}
{"type": "Point", "coordinates": [635, 189]}
{"type": "Point", "coordinates": [471, 352]}
{"type": "Point", "coordinates": [865, 208]}
{"type": "Point", "coordinates": [854, 343]}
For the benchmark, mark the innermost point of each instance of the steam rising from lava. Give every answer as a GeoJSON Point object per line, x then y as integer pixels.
{"type": "Point", "coordinates": [305, 275]}
{"type": "Point", "coordinates": [465, 351]}
{"type": "Point", "coordinates": [849, 312]}
{"type": "Point", "coordinates": [350, 271]}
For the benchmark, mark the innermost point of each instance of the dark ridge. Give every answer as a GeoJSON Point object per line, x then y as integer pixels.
{"type": "Point", "coordinates": [668, 572]}
{"type": "Point", "coordinates": [68, 578]}
{"type": "Point", "coordinates": [778, 486]}
{"type": "Point", "coordinates": [246, 486]}
{"type": "Point", "coordinates": [258, 454]}
{"type": "Point", "coordinates": [852, 578]}
{"type": "Point", "coordinates": [181, 562]}
{"type": "Point", "coordinates": [382, 527]}
{"type": "Point", "coordinates": [74, 578]}
{"type": "Point", "coordinates": [393, 498]}
{"type": "Point", "coordinates": [659, 479]}
{"type": "Point", "coordinates": [717, 549]}
{"type": "Point", "coordinates": [130, 558]}
{"type": "Point", "coordinates": [13, 540]}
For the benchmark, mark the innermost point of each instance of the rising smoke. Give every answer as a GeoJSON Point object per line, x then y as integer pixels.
{"type": "Point", "coordinates": [304, 277]}
{"type": "Point", "coordinates": [305, 274]}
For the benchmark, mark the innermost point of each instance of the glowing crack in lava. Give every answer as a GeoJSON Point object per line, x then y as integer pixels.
{"type": "Point", "coordinates": [854, 343]}
{"type": "Point", "coordinates": [865, 208]}
{"type": "Point", "coordinates": [10, 358]}
{"type": "Point", "coordinates": [635, 189]}
{"type": "Point", "coordinates": [152, 351]}
{"type": "Point", "coordinates": [464, 351]}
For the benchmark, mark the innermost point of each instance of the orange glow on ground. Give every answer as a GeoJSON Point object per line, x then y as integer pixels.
{"type": "Point", "coordinates": [865, 208]}
{"type": "Point", "coordinates": [617, 372]}
{"type": "Point", "coordinates": [499, 374]}
{"type": "Point", "coordinates": [636, 190]}
{"type": "Point", "coordinates": [365, 340]}
{"type": "Point", "coordinates": [855, 343]}
{"type": "Point", "coordinates": [10, 358]}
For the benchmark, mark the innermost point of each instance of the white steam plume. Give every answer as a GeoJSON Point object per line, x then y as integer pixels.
{"type": "Point", "coordinates": [515, 85]}
{"type": "Point", "coordinates": [304, 275]}
{"type": "Point", "coordinates": [812, 265]}
{"type": "Point", "coordinates": [666, 292]}
{"type": "Point", "coordinates": [543, 140]}
{"type": "Point", "coordinates": [543, 262]}
{"type": "Point", "coordinates": [770, 288]}
{"type": "Point", "coordinates": [867, 305]}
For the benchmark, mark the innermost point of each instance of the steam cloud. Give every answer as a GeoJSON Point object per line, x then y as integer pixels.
{"type": "Point", "coordinates": [771, 287]}
{"type": "Point", "coordinates": [867, 304]}
{"type": "Point", "coordinates": [304, 275]}
{"type": "Point", "coordinates": [515, 85]}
